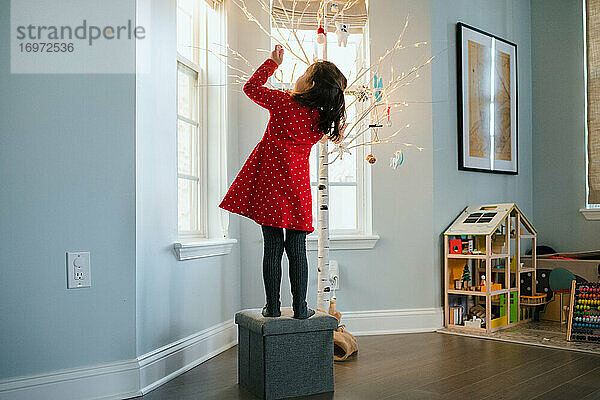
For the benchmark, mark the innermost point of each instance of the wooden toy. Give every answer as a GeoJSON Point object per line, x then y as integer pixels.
{"type": "Point", "coordinates": [455, 246]}
{"type": "Point", "coordinates": [537, 299]}
{"type": "Point", "coordinates": [474, 323]}
{"type": "Point", "coordinates": [583, 323]}
{"type": "Point", "coordinates": [487, 241]}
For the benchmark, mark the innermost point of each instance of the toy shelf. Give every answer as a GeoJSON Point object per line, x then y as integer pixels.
{"type": "Point", "coordinates": [498, 233]}
{"type": "Point", "coordinates": [479, 292]}
{"type": "Point", "coordinates": [463, 328]}
{"type": "Point", "coordinates": [478, 256]}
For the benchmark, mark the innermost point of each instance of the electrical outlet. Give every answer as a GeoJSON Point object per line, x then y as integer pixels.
{"type": "Point", "coordinates": [78, 270]}
{"type": "Point", "coordinates": [334, 275]}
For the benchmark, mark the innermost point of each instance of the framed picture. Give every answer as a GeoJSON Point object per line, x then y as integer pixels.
{"type": "Point", "coordinates": [487, 102]}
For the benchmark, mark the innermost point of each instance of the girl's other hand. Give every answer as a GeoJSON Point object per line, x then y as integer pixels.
{"type": "Point", "coordinates": [277, 54]}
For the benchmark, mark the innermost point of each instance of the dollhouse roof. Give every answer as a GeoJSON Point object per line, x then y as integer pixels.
{"type": "Point", "coordinates": [484, 219]}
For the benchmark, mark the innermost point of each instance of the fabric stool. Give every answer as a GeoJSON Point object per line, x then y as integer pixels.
{"type": "Point", "coordinates": [285, 357]}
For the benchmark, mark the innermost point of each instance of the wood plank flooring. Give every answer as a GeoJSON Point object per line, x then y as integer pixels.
{"type": "Point", "coordinates": [421, 366]}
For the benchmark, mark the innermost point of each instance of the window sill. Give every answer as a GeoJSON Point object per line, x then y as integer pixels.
{"type": "Point", "coordinates": [345, 242]}
{"type": "Point", "coordinates": [591, 214]}
{"type": "Point", "coordinates": [201, 248]}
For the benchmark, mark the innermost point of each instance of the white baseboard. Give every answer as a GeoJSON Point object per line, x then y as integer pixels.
{"type": "Point", "coordinates": [387, 322]}
{"type": "Point", "coordinates": [172, 360]}
{"type": "Point", "coordinates": [118, 380]}
{"type": "Point", "coordinates": [124, 379]}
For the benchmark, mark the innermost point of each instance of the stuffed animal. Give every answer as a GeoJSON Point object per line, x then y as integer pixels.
{"type": "Point", "coordinates": [341, 30]}
{"type": "Point", "coordinates": [321, 35]}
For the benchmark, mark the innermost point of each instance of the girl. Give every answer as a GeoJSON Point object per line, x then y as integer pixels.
{"type": "Point", "coordinates": [273, 187]}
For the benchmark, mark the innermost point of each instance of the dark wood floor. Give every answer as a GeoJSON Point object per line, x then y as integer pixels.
{"type": "Point", "coordinates": [422, 366]}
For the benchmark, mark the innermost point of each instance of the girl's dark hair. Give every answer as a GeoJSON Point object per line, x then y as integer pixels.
{"type": "Point", "coordinates": [327, 96]}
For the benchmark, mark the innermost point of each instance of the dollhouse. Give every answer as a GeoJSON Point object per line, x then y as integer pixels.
{"type": "Point", "coordinates": [487, 287]}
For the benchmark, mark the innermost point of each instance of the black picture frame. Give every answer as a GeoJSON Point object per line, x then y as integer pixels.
{"type": "Point", "coordinates": [466, 162]}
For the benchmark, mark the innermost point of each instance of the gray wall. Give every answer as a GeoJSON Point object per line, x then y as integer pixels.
{"type": "Point", "coordinates": [454, 189]}
{"type": "Point", "coordinates": [68, 178]}
{"type": "Point", "coordinates": [559, 126]}
{"type": "Point", "coordinates": [174, 298]}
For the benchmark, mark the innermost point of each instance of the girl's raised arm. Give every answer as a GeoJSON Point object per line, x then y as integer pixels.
{"type": "Point", "coordinates": [255, 89]}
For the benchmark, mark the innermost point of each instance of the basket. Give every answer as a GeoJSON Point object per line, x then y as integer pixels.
{"type": "Point", "coordinates": [538, 299]}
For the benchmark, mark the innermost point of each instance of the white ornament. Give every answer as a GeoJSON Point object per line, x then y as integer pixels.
{"type": "Point", "coordinates": [341, 148]}
{"type": "Point", "coordinates": [341, 30]}
{"type": "Point", "coordinates": [321, 35]}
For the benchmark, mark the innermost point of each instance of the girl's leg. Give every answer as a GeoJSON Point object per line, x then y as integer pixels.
{"type": "Point", "coordinates": [272, 254]}
{"type": "Point", "coordinates": [295, 248]}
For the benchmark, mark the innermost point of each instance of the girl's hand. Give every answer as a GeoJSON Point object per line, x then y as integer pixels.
{"type": "Point", "coordinates": [277, 54]}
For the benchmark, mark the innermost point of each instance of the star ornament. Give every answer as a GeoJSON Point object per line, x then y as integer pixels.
{"type": "Point", "coordinates": [341, 148]}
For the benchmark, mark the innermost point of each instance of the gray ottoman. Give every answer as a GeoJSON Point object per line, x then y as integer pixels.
{"type": "Point", "coordinates": [285, 357]}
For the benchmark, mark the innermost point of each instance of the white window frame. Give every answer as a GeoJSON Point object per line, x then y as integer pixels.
{"type": "Point", "coordinates": [198, 176]}
{"type": "Point", "coordinates": [212, 238]}
{"type": "Point", "coordinates": [591, 211]}
{"type": "Point", "coordinates": [362, 237]}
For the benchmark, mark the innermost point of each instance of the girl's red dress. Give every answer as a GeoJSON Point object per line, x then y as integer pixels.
{"type": "Point", "coordinates": [273, 186]}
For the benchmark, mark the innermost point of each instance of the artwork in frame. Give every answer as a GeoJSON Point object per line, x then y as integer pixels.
{"type": "Point", "coordinates": [487, 102]}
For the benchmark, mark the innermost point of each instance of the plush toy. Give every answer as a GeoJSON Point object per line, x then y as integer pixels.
{"type": "Point", "coordinates": [321, 35]}
{"type": "Point", "coordinates": [341, 30]}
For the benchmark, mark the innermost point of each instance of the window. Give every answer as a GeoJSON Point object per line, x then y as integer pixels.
{"type": "Point", "coordinates": [191, 143]}
{"type": "Point", "coordinates": [349, 212]}
{"type": "Point", "coordinates": [592, 78]}
{"type": "Point", "coordinates": [200, 123]}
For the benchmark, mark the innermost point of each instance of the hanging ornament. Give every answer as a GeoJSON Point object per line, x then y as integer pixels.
{"type": "Point", "coordinates": [321, 35]}
{"type": "Point", "coordinates": [371, 159]}
{"type": "Point", "coordinates": [377, 87]}
{"type": "Point", "coordinates": [361, 93]}
{"type": "Point", "coordinates": [341, 148]}
{"type": "Point", "coordinates": [341, 30]}
{"type": "Point", "coordinates": [397, 159]}
{"type": "Point", "coordinates": [335, 8]}
{"type": "Point", "coordinates": [388, 115]}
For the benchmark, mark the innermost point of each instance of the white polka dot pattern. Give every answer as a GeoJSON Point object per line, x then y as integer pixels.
{"type": "Point", "coordinates": [273, 186]}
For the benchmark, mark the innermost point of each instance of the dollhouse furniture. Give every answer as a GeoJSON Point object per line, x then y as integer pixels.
{"type": "Point", "coordinates": [483, 271]}
{"type": "Point", "coordinates": [285, 357]}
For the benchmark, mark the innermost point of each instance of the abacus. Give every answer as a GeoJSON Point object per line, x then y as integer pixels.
{"type": "Point", "coordinates": [584, 316]}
